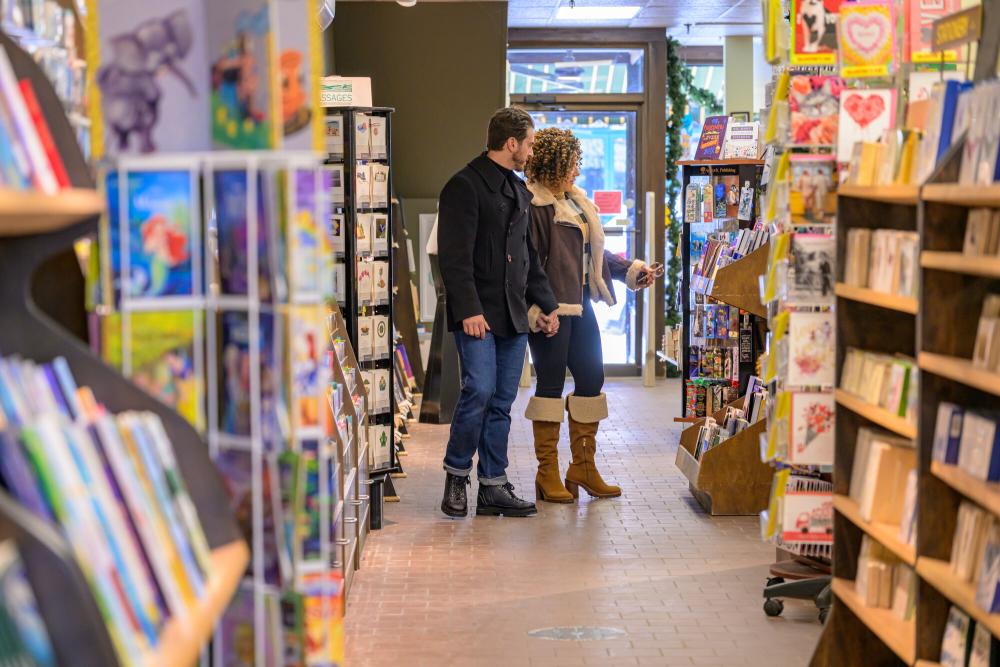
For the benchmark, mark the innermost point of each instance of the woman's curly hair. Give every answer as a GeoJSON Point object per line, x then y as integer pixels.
{"type": "Point", "coordinates": [553, 156]}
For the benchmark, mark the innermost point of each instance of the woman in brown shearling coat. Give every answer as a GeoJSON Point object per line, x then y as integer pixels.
{"type": "Point", "coordinates": [567, 234]}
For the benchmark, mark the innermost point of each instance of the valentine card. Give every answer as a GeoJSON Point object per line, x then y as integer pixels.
{"type": "Point", "coordinates": [813, 104]}
{"type": "Point", "coordinates": [867, 39]}
{"type": "Point", "coordinates": [864, 116]}
{"type": "Point", "coordinates": [814, 33]}
{"type": "Point", "coordinates": [920, 17]}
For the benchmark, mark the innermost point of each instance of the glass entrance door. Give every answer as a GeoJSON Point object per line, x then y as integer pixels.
{"type": "Point", "coordinates": [608, 175]}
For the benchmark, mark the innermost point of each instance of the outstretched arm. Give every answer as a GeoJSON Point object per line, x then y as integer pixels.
{"type": "Point", "coordinates": [631, 272]}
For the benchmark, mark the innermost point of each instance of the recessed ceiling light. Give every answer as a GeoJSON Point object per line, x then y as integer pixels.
{"type": "Point", "coordinates": [597, 13]}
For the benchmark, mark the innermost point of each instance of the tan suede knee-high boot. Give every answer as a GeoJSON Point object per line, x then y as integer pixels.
{"type": "Point", "coordinates": [585, 415]}
{"type": "Point", "coordinates": [546, 415]}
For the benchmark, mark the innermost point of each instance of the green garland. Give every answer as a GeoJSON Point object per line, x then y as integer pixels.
{"type": "Point", "coordinates": [681, 90]}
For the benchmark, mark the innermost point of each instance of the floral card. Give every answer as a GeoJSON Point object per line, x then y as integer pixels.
{"type": "Point", "coordinates": [814, 32]}
{"type": "Point", "coordinates": [867, 39]}
{"type": "Point", "coordinates": [814, 103]}
{"type": "Point", "coordinates": [811, 349]}
{"type": "Point", "coordinates": [811, 428]}
{"type": "Point", "coordinates": [864, 116]}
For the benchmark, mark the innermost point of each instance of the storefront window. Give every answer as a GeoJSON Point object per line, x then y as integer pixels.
{"type": "Point", "coordinates": [574, 71]}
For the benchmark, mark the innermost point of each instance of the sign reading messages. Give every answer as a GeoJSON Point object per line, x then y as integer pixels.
{"type": "Point", "coordinates": [958, 29]}
{"type": "Point", "coordinates": [608, 202]}
{"type": "Point", "coordinates": [343, 91]}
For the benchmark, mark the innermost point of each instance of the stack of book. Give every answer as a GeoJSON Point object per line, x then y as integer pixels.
{"type": "Point", "coordinates": [982, 233]}
{"type": "Point", "coordinates": [111, 482]}
{"type": "Point", "coordinates": [975, 554]}
{"type": "Point", "coordinates": [883, 260]}
{"type": "Point", "coordinates": [966, 643]}
{"type": "Point", "coordinates": [707, 397]}
{"type": "Point", "coordinates": [968, 439]}
{"type": "Point", "coordinates": [946, 121]}
{"type": "Point", "coordinates": [888, 381]}
{"type": "Point", "coordinates": [883, 582]}
{"type": "Point", "coordinates": [29, 158]}
{"type": "Point", "coordinates": [711, 434]}
{"type": "Point", "coordinates": [986, 353]}
{"type": "Point", "coordinates": [880, 475]}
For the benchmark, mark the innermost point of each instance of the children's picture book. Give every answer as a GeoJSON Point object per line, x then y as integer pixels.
{"type": "Point", "coordinates": [867, 38]}
{"type": "Point", "coordinates": [150, 72]}
{"type": "Point", "coordinates": [814, 32]}
{"type": "Point", "coordinates": [161, 357]}
{"type": "Point", "coordinates": [235, 364]}
{"type": "Point", "coordinates": [27, 640]}
{"type": "Point", "coordinates": [236, 468]}
{"type": "Point", "coordinates": [814, 105]}
{"type": "Point", "coordinates": [864, 116]}
{"type": "Point", "coordinates": [919, 17]}
{"type": "Point", "coordinates": [712, 134]}
{"type": "Point", "coordinates": [230, 188]}
{"type": "Point", "coordinates": [811, 425]}
{"type": "Point", "coordinates": [163, 230]}
{"type": "Point", "coordinates": [238, 647]}
{"type": "Point", "coordinates": [811, 354]}
{"type": "Point", "coordinates": [304, 232]}
{"type": "Point", "coordinates": [299, 50]}
{"type": "Point", "coordinates": [242, 68]}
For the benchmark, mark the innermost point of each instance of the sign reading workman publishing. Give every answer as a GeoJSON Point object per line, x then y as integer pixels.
{"type": "Point", "coordinates": [345, 91]}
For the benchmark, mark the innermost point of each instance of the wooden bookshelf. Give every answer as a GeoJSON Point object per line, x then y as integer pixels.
{"type": "Point", "coordinates": [887, 194]}
{"type": "Point", "coordinates": [736, 284]}
{"type": "Point", "coordinates": [184, 637]}
{"type": "Point", "coordinates": [685, 163]}
{"type": "Point", "coordinates": [926, 663]}
{"type": "Point", "coordinates": [960, 370]}
{"type": "Point", "coordinates": [963, 195]}
{"type": "Point", "coordinates": [957, 262]}
{"type": "Point", "coordinates": [985, 494]}
{"type": "Point", "coordinates": [30, 212]}
{"type": "Point", "coordinates": [939, 575]}
{"type": "Point", "coordinates": [903, 304]}
{"type": "Point", "coordinates": [898, 635]}
{"type": "Point", "coordinates": [876, 414]}
{"type": "Point", "coordinates": [885, 533]}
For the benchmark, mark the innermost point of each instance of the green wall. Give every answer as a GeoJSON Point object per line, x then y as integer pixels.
{"type": "Point", "coordinates": [441, 65]}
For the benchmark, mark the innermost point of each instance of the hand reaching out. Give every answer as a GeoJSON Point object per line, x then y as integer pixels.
{"type": "Point", "coordinates": [649, 275]}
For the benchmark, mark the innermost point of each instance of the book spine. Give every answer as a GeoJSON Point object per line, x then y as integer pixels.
{"type": "Point", "coordinates": [42, 174]}
{"type": "Point", "coordinates": [44, 134]}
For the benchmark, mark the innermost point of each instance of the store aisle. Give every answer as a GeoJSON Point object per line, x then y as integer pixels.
{"type": "Point", "coordinates": [685, 588]}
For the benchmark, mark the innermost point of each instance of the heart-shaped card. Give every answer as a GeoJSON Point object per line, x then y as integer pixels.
{"type": "Point", "coordinates": [867, 39]}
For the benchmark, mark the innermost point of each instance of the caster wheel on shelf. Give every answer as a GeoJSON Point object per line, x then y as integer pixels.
{"type": "Point", "coordinates": [773, 607]}
{"type": "Point", "coordinates": [823, 613]}
{"type": "Point", "coordinates": [774, 581]}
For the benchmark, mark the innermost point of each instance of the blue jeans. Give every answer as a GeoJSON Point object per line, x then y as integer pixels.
{"type": "Point", "coordinates": [491, 369]}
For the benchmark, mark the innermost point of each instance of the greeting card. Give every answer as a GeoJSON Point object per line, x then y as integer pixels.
{"type": "Point", "coordinates": [813, 103]}
{"type": "Point", "coordinates": [380, 234]}
{"type": "Point", "coordinates": [864, 116]}
{"type": "Point", "coordinates": [307, 351]}
{"type": "Point", "coordinates": [812, 182]}
{"type": "Point", "coordinates": [808, 517]}
{"type": "Point", "coordinates": [867, 39]}
{"type": "Point", "coordinates": [811, 349]}
{"type": "Point", "coordinates": [305, 232]}
{"type": "Point", "coordinates": [814, 33]}
{"type": "Point", "coordinates": [920, 17]}
{"type": "Point", "coordinates": [335, 136]}
{"type": "Point", "coordinates": [812, 428]}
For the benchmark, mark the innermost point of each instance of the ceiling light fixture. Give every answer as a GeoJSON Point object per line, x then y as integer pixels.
{"type": "Point", "coordinates": [406, 3]}
{"type": "Point", "coordinates": [596, 13]}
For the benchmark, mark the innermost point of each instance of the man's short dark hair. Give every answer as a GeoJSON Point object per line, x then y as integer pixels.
{"type": "Point", "coordinates": [506, 123]}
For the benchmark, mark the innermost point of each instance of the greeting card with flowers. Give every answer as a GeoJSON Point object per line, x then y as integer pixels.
{"type": "Point", "coordinates": [812, 428]}
{"type": "Point", "coordinates": [811, 349]}
{"type": "Point", "coordinates": [814, 104]}
{"type": "Point", "coordinates": [867, 37]}
{"type": "Point", "coordinates": [162, 221]}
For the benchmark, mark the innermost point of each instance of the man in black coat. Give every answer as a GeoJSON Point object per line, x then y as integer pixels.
{"type": "Point", "coordinates": [489, 267]}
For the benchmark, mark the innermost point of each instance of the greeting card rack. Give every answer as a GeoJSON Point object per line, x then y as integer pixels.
{"type": "Point", "coordinates": [351, 160]}
{"type": "Point", "coordinates": [695, 232]}
{"type": "Point", "coordinates": [33, 230]}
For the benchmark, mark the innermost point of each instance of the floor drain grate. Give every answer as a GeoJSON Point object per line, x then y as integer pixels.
{"type": "Point", "coordinates": [577, 633]}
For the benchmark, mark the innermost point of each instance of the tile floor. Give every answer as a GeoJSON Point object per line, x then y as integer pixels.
{"type": "Point", "coordinates": [684, 587]}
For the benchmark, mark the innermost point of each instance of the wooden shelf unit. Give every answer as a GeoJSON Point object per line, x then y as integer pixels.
{"type": "Point", "coordinates": [184, 637]}
{"type": "Point", "coordinates": [984, 494]}
{"type": "Point", "coordinates": [938, 574]}
{"type": "Point", "coordinates": [886, 534]}
{"type": "Point", "coordinates": [30, 212]}
{"type": "Point", "coordinates": [960, 370]}
{"type": "Point", "coordinates": [876, 414]}
{"type": "Point", "coordinates": [957, 262]}
{"type": "Point", "coordinates": [903, 304]}
{"type": "Point", "coordinates": [898, 635]}
{"type": "Point", "coordinates": [907, 195]}
{"type": "Point", "coordinates": [962, 195]}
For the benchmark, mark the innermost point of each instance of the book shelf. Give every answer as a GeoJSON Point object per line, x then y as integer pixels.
{"type": "Point", "coordinates": [36, 229]}
{"type": "Point", "coordinates": [875, 414]}
{"type": "Point", "coordinates": [351, 160]}
{"type": "Point", "coordinates": [886, 194]}
{"type": "Point", "coordinates": [899, 636]}
{"type": "Point", "coordinates": [903, 304]}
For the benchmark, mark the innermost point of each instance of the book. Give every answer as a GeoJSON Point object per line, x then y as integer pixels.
{"type": "Point", "coordinates": [44, 134]}
{"type": "Point", "coordinates": [306, 338]}
{"type": "Point", "coordinates": [988, 584]}
{"type": "Point", "coordinates": [26, 639]}
{"type": "Point", "coordinates": [304, 237]}
{"type": "Point", "coordinates": [948, 433]}
{"type": "Point", "coordinates": [741, 141]}
{"type": "Point", "coordinates": [957, 635]}
{"type": "Point", "coordinates": [237, 470]}
{"type": "Point", "coordinates": [25, 131]}
{"type": "Point", "coordinates": [713, 132]}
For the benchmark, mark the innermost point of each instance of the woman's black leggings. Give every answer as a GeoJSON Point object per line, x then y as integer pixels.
{"type": "Point", "coordinates": [577, 346]}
